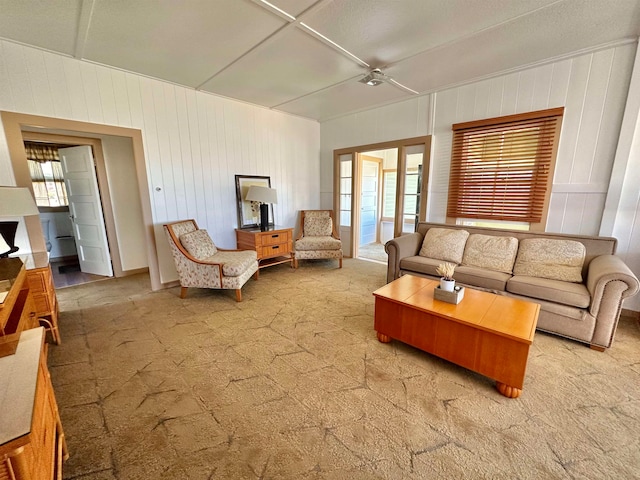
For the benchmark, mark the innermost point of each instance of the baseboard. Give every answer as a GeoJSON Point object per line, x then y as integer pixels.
{"type": "Point", "coordinates": [630, 314]}
{"type": "Point", "coordinates": [175, 283]}
{"type": "Point", "coordinates": [135, 271]}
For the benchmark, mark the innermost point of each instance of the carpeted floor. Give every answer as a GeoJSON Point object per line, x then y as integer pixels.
{"type": "Point", "coordinates": [292, 384]}
{"type": "Point", "coordinates": [373, 251]}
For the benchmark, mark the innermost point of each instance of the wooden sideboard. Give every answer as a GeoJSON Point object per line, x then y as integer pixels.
{"type": "Point", "coordinates": [273, 246]}
{"type": "Point", "coordinates": [32, 443]}
{"type": "Point", "coordinates": [17, 306]}
{"type": "Point", "coordinates": [44, 294]}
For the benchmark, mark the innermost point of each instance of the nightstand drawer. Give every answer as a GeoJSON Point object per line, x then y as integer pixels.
{"type": "Point", "coordinates": [274, 238]}
{"type": "Point", "coordinates": [274, 250]}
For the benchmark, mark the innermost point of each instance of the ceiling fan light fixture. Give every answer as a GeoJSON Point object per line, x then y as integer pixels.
{"type": "Point", "coordinates": [374, 78]}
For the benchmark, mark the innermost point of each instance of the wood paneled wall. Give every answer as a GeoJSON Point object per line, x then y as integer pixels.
{"type": "Point", "coordinates": [194, 142]}
{"type": "Point", "coordinates": [592, 88]}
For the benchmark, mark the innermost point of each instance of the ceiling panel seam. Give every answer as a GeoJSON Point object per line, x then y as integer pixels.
{"type": "Point", "coordinates": [292, 23]}
{"type": "Point", "coordinates": [84, 22]}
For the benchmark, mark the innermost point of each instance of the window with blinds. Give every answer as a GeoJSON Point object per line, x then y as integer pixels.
{"type": "Point", "coordinates": [502, 168]}
{"type": "Point", "coordinates": [46, 174]}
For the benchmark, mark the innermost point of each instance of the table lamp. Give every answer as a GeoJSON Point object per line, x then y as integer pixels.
{"type": "Point", "coordinates": [265, 196]}
{"type": "Point", "coordinates": [14, 202]}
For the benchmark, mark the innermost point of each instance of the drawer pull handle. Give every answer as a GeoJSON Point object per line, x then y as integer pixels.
{"type": "Point", "coordinates": [275, 236]}
{"type": "Point", "coordinates": [275, 246]}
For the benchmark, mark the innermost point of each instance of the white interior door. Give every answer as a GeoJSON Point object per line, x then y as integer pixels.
{"type": "Point", "coordinates": [369, 202]}
{"type": "Point", "coordinates": [85, 210]}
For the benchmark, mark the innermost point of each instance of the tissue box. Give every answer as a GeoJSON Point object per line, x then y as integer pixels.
{"type": "Point", "coordinates": [450, 297]}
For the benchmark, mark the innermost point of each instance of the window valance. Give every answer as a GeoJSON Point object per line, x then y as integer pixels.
{"type": "Point", "coordinates": [41, 152]}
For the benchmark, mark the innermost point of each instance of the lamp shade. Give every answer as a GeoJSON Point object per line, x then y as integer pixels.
{"type": "Point", "coordinates": [17, 202]}
{"type": "Point", "coordinates": [262, 194]}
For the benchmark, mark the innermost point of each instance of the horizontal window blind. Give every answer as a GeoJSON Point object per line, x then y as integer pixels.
{"type": "Point", "coordinates": [501, 167]}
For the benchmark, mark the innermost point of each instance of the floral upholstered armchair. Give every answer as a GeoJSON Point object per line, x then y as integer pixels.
{"type": "Point", "coordinates": [201, 264]}
{"type": "Point", "coordinates": [318, 237]}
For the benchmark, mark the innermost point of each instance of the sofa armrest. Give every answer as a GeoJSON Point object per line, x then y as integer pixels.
{"type": "Point", "coordinates": [609, 281]}
{"type": "Point", "coordinates": [399, 248]}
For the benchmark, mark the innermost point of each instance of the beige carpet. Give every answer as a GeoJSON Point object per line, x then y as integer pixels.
{"type": "Point", "coordinates": [292, 384]}
{"type": "Point", "coordinates": [373, 251]}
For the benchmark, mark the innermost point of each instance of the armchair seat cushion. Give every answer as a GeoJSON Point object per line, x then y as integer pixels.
{"type": "Point", "coordinates": [318, 243]}
{"type": "Point", "coordinates": [234, 263]}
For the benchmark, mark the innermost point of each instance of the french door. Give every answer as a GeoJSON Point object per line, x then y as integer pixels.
{"type": "Point", "coordinates": [403, 181]}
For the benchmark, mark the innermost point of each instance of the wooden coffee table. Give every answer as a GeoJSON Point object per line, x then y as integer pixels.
{"type": "Point", "coordinates": [489, 334]}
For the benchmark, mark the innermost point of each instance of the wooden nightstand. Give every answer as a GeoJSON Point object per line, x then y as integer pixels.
{"type": "Point", "coordinates": [273, 246]}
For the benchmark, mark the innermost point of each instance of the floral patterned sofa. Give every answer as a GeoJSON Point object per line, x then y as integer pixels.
{"type": "Point", "coordinates": [318, 237]}
{"type": "Point", "coordinates": [578, 281]}
{"type": "Point", "coordinates": [201, 264]}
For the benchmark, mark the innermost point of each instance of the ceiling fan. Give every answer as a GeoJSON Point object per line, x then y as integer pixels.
{"type": "Point", "coordinates": [377, 77]}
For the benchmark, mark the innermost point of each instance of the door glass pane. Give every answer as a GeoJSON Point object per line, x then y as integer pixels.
{"type": "Point", "coordinates": [346, 174]}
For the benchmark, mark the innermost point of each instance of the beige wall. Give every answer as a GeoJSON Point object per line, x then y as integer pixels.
{"type": "Point", "coordinates": [125, 199]}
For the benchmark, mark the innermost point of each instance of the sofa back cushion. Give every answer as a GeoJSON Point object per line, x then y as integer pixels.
{"type": "Point", "coordinates": [199, 244]}
{"type": "Point", "coordinates": [444, 244]}
{"type": "Point", "coordinates": [549, 258]}
{"type": "Point", "coordinates": [490, 252]}
{"type": "Point", "coordinates": [595, 246]}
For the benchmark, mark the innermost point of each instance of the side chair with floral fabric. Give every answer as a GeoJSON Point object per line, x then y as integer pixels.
{"type": "Point", "coordinates": [201, 264]}
{"type": "Point", "coordinates": [318, 237]}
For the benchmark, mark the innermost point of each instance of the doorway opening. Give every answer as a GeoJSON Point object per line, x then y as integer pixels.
{"type": "Point", "coordinates": [130, 230]}
{"type": "Point", "coordinates": [378, 193]}
{"type": "Point", "coordinates": [68, 196]}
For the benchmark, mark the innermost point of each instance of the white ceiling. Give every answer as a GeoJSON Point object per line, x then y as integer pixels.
{"type": "Point", "coordinates": [250, 51]}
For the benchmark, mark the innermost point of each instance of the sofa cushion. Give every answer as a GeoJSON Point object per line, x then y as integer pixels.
{"type": "Point", "coordinates": [482, 278]}
{"type": "Point", "coordinates": [234, 263]}
{"type": "Point", "coordinates": [444, 244]}
{"type": "Point", "coordinates": [566, 293]}
{"type": "Point", "coordinates": [318, 243]}
{"type": "Point", "coordinates": [316, 226]}
{"type": "Point", "coordinates": [198, 243]}
{"type": "Point", "coordinates": [418, 264]}
{"type": "Point", "coordinates": [550, 258]}
{"type": "Point", "coordinates": [491, 252]}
